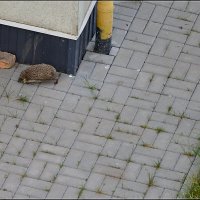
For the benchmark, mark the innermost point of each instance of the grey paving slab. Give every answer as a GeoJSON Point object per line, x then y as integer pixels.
{"type": "Point", "coordinates": [135, 118]}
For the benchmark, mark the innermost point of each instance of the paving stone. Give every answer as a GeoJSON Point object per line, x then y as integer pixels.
{"type": "Point", "coordinates": [123, 57]}
{"type": "Point", "coordinates": [193, 74]}
{"type": "Point", "coordinates": [188, 58]}
{"type": "Point", "coordinates": [111, 147]}
{"type": "Point", "coordinates": [152, 28]}
{"type": "Point", "coordinates": [70, 102]}
{"type": "Point", "coordinates": [5, 194]}
{"type": "Point", "coordinates": [94, 181]}
{"type": "Point", "coordinates": [50, 93]}
{"type": "Point", "coordinates": [118, 36]}
{"type": "Point", "coordinates": [50, 171]}
{"type": "Point", "coordinates": [122, 17]}
{"type": "Point", "coordinates": [143, 80]}
{"type": "Point", "coordinates": [37, 184]}
{"type": "Point", "coordinates": [125, 151]}
{"type": "Point", "coordinates": [104, 128]}
{"type": "Point", "coordinates": [138, 25]}
{"type": "Point", "coordinates": [169, 160]}
{"type": "Point", "coordinates": [145, 11]}
{"type": "Point", "coordinates": [121, 71]}
{"type": "Point", "coordinates": [159, 14]}
{"type": "Point", "coordinates": [137, 46]}
{"type": "Point", "coordinates": [180, 70]}
{"type": "Point", "coordinates": [128, 114]}
{"type": "Point", "coordinates": [125, 137]}
{"type": "Point", "coordinates": [154, 192]}
{"type": "Point", "coordinates": [87, 147]}
{"type": "Point", "coordinates": [35, 169]}
{"type": "Point", "coordinates": [94, 195]}
{"type": "Point", "coordinates": [71, 192]}
{"type": "Point", "coordinates": [185, 127]}
{"type": "Point", "coordinates": [119, 80]}
{"type": "Point", "coordinates": [16, 160]}
{"type": "Point", "coordinates": [156, 69]}
{"type": "Point", "coordinates": [29, 149]}
{"type": "Point", "coordinates": [124, 10]}
{"type": "Point", "coordinates": [157, 83]}
{"type": "Point", "coordinates": [90, 124]}
{"type": "Point", "coordinates": [121, 24]}
{"type": "Point", "coordinates": [168, 184]}
{"type": "Point", "coordinates": [56, 191]}
{"type": "Point", "coordinates": [15, 146]}
{"type": "Point", "coordinates": [169, 194]}
{"type": "Point", "coordinates": [107, 170]}
{"type": "Point", "coordinates": [132, 171]}
{"type": "Point", "coordinates": [109, 106]}
{"type": "Point", "coordinates": [123, 193]}
{"type": "Point", "coordinates": [88, 161]}
{"type": "Point", "coordinates": [121, 95]}
{"type": "Point", "coordinates": [162, 141]}
{"type": "Point", "coordinates": [12, 183]}
{"type": "Point", "coordinates": [52, 136]}
{"type": "Point", "coordinates": [172, 36]}
{"type": "Point", "coordinates": [143, 159]}
{"type": "Point", "coordinates": [100, 58]}
{"type": "Point", "coordinates": [109, 184]}
{"type": "Point", "coordinates": [137, 60]}
{"type": "Point", "coordinates": [138, 37]}
{"type": "Point", "coordinates": [183, 164]}
{"type": "Point", "coordinates": [85, 68]}
{"type": "Point", "coordinates": [168, 174]}
{"type": "Point", "coordinates": [141, 117]}
{"type": "Point", "coordinates": [36, 193]}
{"type": "Point", "coordinates": [77, 173]}
{"type": "Point", "coordinates": [148, 137]}
{"type": "Point", "coordinates": [160, 46]}
{"type": "Point", "coordinates": [186, 24]}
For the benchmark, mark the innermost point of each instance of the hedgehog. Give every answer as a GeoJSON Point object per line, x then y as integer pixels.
{"type": "Point", "coordinates": [39, 73]}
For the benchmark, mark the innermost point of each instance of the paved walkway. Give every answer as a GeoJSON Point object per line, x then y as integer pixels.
{"type": "Point", "coordinates": [124, 127]}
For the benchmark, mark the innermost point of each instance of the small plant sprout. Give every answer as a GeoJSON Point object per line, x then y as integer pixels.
{"type": "Point", "coordinates": [23, 99]}
{"type": "Point", "coordinates": [117, 117]}
{"type": "Point", "coordinates": [189, 153]}
{"type": "Point", "coordinates": [159, 130]}
{"type": "Point", "coordinates": [128, 160]}
{"type": "Point", "coordinates": [150, 80]}
{"type": "Point", "coordinates": [95, 97]}
{"type": "Point", "coordinates": [150, 180]}
{"type": "Point", "coordinates": [109, 137]}
{"type": "Point", "coordinates": [147, 145]}
{"type": "Point", "coordinates": [144, 126]}
{"type": "Point", "coordinates": [81, 191]}
{"type": "Point", "coordinates": [89, 85]}
{"type": "Point", "coordinates": [99, 190]}
{"type": "Point", "coordinates": [157, 164]}
{"type": "Point", "coordinates": [169, 109]}
{"type": "Point", "coordinates": [8, 94]}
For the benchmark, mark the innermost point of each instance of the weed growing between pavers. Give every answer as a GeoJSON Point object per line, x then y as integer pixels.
{"type": "Point", "coordinates": [157, 164]}
{"type": "Point", "coordinates": [23, 99]}
{"type": "Point", "coordinates": [193, 190]}
{"type": "Point", "coordinates": [150, 180]}
{"type": "Point", "coordinates": [159, 129]}
{"type": "Point", "coordinates": [81, 191]}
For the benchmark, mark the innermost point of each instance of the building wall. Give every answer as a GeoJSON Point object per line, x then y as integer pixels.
{"type": "Point", "coordinates": [61, 16]}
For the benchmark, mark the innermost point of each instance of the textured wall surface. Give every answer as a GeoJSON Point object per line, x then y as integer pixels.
{"type": "Point", "coordinates": [62, 16]}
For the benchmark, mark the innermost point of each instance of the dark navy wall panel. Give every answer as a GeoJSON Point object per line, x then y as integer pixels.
{"type": "Point", "coordinates": [33, 48]}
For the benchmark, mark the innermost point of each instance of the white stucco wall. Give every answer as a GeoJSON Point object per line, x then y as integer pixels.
{"type": "Point", "coordinates": [61, 16]}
